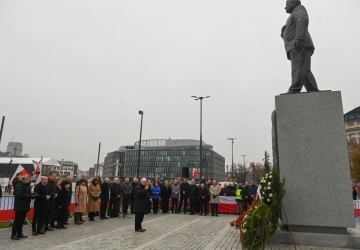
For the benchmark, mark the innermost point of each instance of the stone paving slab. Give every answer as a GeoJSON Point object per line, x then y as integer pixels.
{"type": "Point", "coordinates": [171, 231]}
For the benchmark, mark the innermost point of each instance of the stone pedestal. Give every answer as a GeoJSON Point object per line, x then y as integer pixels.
{"type": "Point", "coordinates": [313, 158]}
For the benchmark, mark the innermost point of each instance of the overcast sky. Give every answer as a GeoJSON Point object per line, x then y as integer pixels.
{"type": "Point", "coordinates": [74, 73]}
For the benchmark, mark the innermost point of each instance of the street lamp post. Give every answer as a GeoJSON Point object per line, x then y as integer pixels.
{"type": "Point", "coordinates": [227, 172]}
{"type": "Point", "coordinates": [244, 168]}
{"type": "Point", "coordinates": [201, 159]}
{"type": "Point", "coordinates": [232, 157]}
{"type": "Point", "coordinates": [97, 165]}
{"type": "Point", "coordinates": [2, 127]}
{"type": "Point", "coordinates": [138, 167]}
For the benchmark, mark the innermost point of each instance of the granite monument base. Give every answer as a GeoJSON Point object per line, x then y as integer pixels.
{"type": "Point", "coordinates": [351, 239]}
{"type": "Point", "coordinates": [311, 150]}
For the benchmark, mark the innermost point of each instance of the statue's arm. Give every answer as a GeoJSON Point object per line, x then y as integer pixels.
{"type": "Point", "coordinates": [302, 22]}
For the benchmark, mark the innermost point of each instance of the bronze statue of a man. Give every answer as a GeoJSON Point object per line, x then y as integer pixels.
{"type": "Point", "coordinates": [299, 47]}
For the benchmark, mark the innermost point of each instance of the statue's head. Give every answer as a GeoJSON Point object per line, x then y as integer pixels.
{"type": "Point", "coordinates": [291, 5]}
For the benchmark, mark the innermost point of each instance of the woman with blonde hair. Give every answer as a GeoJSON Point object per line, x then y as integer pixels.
{"type": "Point", "coordinates": [94, 194]}
{"type": "Point", "coordinates": [80, 201]}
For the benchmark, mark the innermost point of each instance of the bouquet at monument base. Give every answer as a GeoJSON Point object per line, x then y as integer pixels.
{"type": "Point", "coordinates": [260, 221]}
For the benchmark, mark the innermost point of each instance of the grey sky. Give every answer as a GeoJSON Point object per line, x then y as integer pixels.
{"type": "Point", "coordinates": [75, 73]}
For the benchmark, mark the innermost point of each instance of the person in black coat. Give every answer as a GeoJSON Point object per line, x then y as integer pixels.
{"type": "Point", "coordinates": [22, 202]}
{"type": "Point", "coordinates": [104, 197]}
{"type": "Point", "coordinates": [39, 207]}
{"type": "Point", "coordinates": [69, 178]}
{"type": "Point", "coordinates": [165, 197]}
{"type": "Point", "coordinates": [141, 199]}
{"type": "Point", "coordinates": [248, 199]}
{"type": "Point", "coordinates": [204, 198]}
{"type": "Point", "coordinates": [149, 194]}
{"type": "Point", "coordinates": [50, 204]}
{"type": "Point", "coordinates": [184, 194]}
{"type": "Point", "coordinates": [115, 196]}
{"type": "Point", "coordinates": [63, 199]}
{"type": "Point", "coordinates": [193, 197]}
{"type": "Point", "coordinates": [134, 183]}
{"type": "Point", "coordinates": [354, 193]}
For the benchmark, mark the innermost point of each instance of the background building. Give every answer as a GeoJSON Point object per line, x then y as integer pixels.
{"type": "Point", "coordinates": [92, 170]}
{"type": "Point", "coordinates": [64, 169]}
{"type": "Point", "coordinates": [352, 124]}
{"type": "Point", "coordinates": [165, 158]}
{"type": "Point", "coordinates": [15, 148]}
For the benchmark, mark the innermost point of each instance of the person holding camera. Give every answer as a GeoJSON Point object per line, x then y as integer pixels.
{"type": "Point", "coordinates": [22, 202]}
{"type": "Point", "coordinates": [94, 195]}
{"type": "Point", "coordinates": [214, 198]}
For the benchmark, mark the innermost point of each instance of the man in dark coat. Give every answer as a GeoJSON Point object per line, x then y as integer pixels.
{"type": "Point", "coordinates": [245, 192]}
{"type": "Point", "coordinates": [22, 202]}
{"type": "Point", "coordinates": [50, 204]}
{"type": "Point", "coordinates": [299, 47]}
{"type": "Point", "coordinates": [115, 196]}
{"type": "Point", "coordinates": [39, 206]}
{"type": "Point", "coordinates": [134, 183]}
{"type": "Point", "coordinates": [127, 189]}
{"type": "Point", "coordinates": [252, 191]}
{"type": "Point", "coordinates": [354, 193]}
{"type": "Point", "coordinates": [193, 197]}
{"type": "Point", "coordinates": [104, 197]}
{"type": "Point", "coordinates": [141, 199]}
{"type": "Point", "coordinates": [204, 198]}
{"type": "Point", "coordinates": [184, 194]}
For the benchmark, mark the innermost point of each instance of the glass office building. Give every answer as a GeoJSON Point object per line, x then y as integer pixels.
{"type": "Point", "coordinates": [165, 158]}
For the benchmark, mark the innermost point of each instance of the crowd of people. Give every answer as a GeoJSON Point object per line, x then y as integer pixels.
{"type": "Point", "coordinates": [102, 198]}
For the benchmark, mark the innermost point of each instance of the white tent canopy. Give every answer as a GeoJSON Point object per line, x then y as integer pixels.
{"type": "Point", "coordinates": [15, 161]}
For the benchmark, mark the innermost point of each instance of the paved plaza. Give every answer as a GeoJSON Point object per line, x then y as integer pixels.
{"type": "Point", "coordinates": [171, 231]}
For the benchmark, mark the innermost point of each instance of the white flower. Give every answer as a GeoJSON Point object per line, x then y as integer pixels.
{"type": "Point", "coordinates": [244, 231]}
{"type": "Point", "coordinates": [268, 187]}
{"type": "Point", "coordinates": [263, 193]}
{"type": "Point", "coordinates": [270, 195]}
{"type": "Point", "coordinates": [268, 200]}
{"type": "Point", "coordinates": [244, 223]}
{"type": "Point", "coordinates": [269, 183]}
{"type": "Point", "coordinates": [270, 176]}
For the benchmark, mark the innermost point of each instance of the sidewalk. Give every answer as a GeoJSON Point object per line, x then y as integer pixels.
{"type": "Point", "coordinates": [172, 231]}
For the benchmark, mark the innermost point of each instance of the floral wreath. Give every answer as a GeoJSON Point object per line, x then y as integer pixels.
{"type": "Point", "coordinates": [260, 221]}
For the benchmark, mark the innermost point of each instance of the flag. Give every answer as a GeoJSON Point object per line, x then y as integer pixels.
{"type": "Point", "coordinates": [38, 169]}
{"type": "Point", "coordinates": [195, 172]}
{"type": "Point", "coordinates": [20, 169]}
